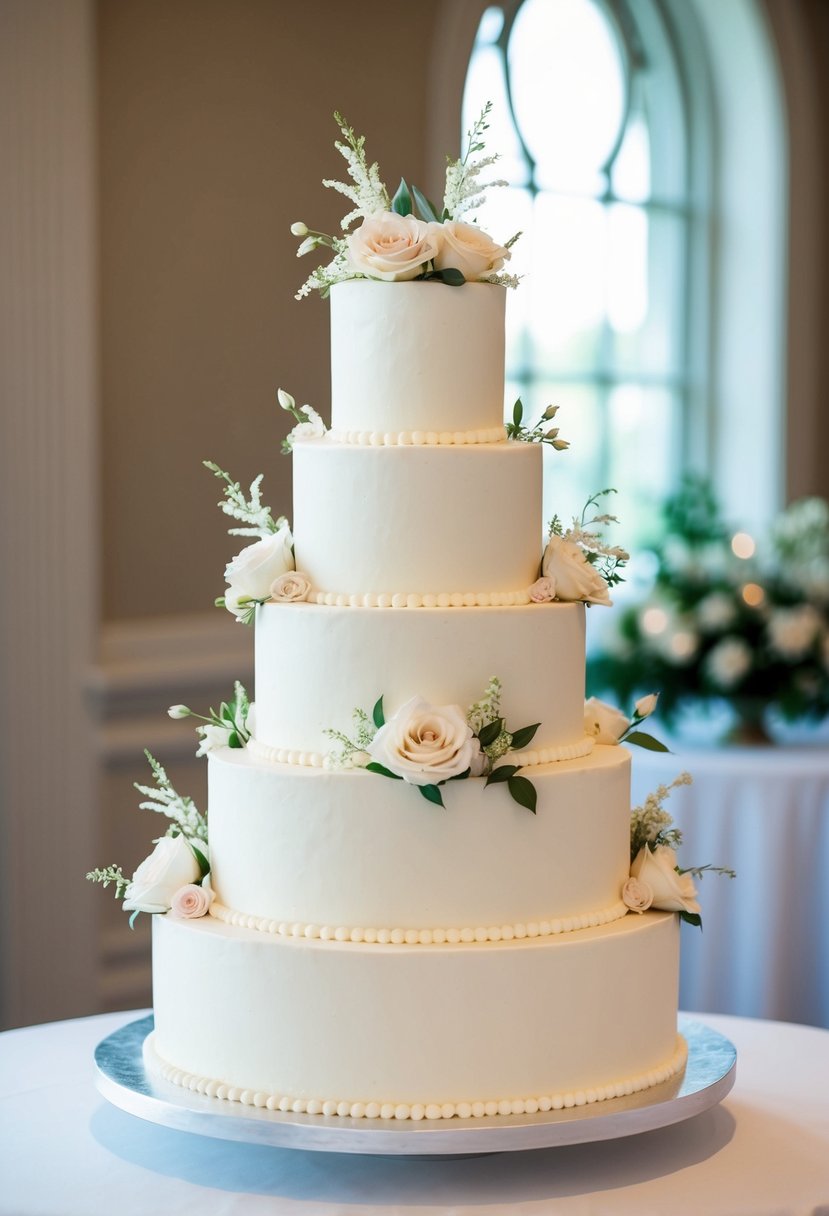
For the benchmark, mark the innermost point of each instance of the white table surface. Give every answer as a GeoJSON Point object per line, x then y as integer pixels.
{"type": "Point", "coordinates": [764, 811]}
{"type": "Point", "coordinates": [64, 1151]}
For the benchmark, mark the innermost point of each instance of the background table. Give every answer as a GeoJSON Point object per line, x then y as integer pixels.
{"type": "Point", "coordinates": [763, 811]}
{"type": "Point", "coordinates": [64, 1151]}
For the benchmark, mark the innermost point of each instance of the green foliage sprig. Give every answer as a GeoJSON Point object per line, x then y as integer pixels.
{"type": "Point", "coordinates": [516, 428]}
{"type": "Point", "coordinates": [164, 800]}
{"type": "Point", "coordinates": [111, 874]}
{"type": "Point", "coordinates": [228, 727]}
{"type": "Point", "coordinates": [609, 560]}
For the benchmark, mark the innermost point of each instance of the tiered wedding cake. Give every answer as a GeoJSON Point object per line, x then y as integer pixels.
{"type": "Point", "coordinates": [370, 951]}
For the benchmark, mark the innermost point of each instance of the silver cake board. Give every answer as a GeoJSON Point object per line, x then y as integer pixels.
{"type": "Point", "coordinates": [122, 1078]}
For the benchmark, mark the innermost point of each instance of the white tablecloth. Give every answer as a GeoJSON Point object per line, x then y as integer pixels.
{"type": "Point", "coordinates": [64, 1151]}
{"type": "Point", "coordinates": [764, 948]}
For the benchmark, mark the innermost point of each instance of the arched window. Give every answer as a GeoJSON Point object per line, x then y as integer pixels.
{"type": "Point", "coordinates": [610, 123]}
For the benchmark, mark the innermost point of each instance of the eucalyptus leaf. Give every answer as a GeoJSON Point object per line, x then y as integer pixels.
{"type": "Point", "coordinates": [521, 738]}
{"type": "Point", "coordinates": [489, 733]}
{"type": "Point", "coordinates": [523, 792]}
{"type": "Point", "coordinates": [378, 717]}
{"type": "Point", "coordinates": [402, 201]}
{"type": "Point", "coordinates": [432, 794]}
{"type": "Point", "coordinates": [374, 767]}
{"type": "Point", "coordinates": [504, 773]}
{"type": "Point", "coordinates": [640, 738]}
{"type": "Point", "coordinates": [424, 206]}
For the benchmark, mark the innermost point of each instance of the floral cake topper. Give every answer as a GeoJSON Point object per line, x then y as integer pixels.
{"type": "Point", "coordinates": [407, 237]}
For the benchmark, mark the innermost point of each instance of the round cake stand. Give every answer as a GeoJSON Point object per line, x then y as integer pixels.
{"type": "Point", "coordinates": [123, 1080]}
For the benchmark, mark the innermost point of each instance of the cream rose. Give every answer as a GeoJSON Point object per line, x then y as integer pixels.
{"type": "Point", "coordinates": [466, 248]}
{"type": "Point", "coordinates": [424, 743]}
{"type": "Point", "coordinates": [542, 591]}
{"type": "Point", "coordinates": [290, 587]}
{"type": "Point", "coordinates": [172, 864]}
{"type": "Point", "coordinates": [672, 891]}
{"type": "Point", "coordinates": [637, 895]}
{"type": "Point", "coordinates": [575, 578]}
{"type": "Point", "coordinates": [249, 574]}
{"type": "Point", "coordinates": [191, 901]}
{"type": "Point", "coordinates": [392, 247]}
{"type": "Point", "coordinates": [605, 723]}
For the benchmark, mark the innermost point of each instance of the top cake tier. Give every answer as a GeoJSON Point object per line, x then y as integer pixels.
{"type": "Point", "coordinates": [417, 357]}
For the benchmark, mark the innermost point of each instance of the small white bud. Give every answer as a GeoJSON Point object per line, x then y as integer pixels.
{"type": "Point", "coordinates": [299, 229]}
{"type": "Point", "coordinates": [645, 706]}
{"type": "Point", "coordinates": [178, 711]}
{"type": "Point", "coordinates": [285, 400]}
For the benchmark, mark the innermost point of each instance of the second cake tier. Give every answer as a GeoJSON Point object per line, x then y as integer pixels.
{"type": "Point", "coordinates": [356, 856]}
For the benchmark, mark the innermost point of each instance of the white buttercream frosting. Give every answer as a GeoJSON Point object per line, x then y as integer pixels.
{"type": "Point", "coordinates": [379, 439]}
{"type": "Point", "coordinates": [525, 759]}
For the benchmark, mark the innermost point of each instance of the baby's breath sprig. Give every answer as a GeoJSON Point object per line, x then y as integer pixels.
{"type": "Point", "coordinates": [250, 511]}
{"type": "Point", "coordinates": [368, 193]}
{"type": "Point", "coordinates": [351, 747]}
{"type": "Point", "coordinates": [163, 799]}
{"type": "Point", "coordinates": [463, 191]}
{"type": "Point", "coordinates": [650, 824]}
{"type": "Point", "coordinates": [108, 875]}
{"type": "Point", "coordinates": [538, 433]}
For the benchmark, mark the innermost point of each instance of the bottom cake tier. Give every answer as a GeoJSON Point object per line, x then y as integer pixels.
{"type": "Point", "coordinates": [347, 1028]}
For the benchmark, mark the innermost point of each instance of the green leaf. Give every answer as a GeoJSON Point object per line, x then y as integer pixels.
{"type": "Point", "coordinates": [459, 776]}
{"type": "Point", "coordinates": [137, 912]}
{"type": "Point", "coordinates": [691, 918]}
{"type": "Point", "coordinates": [432, 794]}
{"type": "Point", "coordinates": [640, 738]}
{"type": "Point", "coordinates": [374, 767]}
{"type": "Point", "coordinates": [378, 717]}
{"type": "Point", "coordinates": [451, 276]}
{"type": "Point", "coordinates": [524, 736]}
{"type": "Point", "coordinates": [225, 712]}
{"type": "Point", "coordinates": [523, 792]}
{"type": "Point", "coordinates": [424, 206]}
{"type": "Point", "coordinates": [504, 773]}
{"type": "Point", "coordinates": [489, 733]}
{"type": "Point", "coordinates": [233, 740]}
{"type": "Point", "coordinates": [517, 413]}
{"type": "Point", "coordinates": [402, 201]}
{"type": "Point", "coordinates": [204, 864]}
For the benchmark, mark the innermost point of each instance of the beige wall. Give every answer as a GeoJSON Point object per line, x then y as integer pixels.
{"type": "Point", "coordinates": [215, 132]}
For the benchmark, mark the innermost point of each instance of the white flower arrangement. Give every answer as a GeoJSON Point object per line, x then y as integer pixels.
{"type": "Point", "coordinates": [729, 618]}
{"type": "Point", "coordinates": [427, 745]}
{"type": "Point", "coordinates": [656, 880]}
{"type": "Point", "coordinates": [406, 237]}
{"type": "Point", "coordinates": [179, 860]}
{"type": "Point", "coordinates": [309, 425]}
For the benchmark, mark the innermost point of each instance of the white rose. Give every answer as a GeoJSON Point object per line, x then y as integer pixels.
{"type": "Point", "coordinates": [391, 247]}
{"type": "Point", "coordinates": [191, 901]}
{"type": "Point", "coordinates": [637, 895]}
{"type": "Point", "coordinates": [645, 706]}
{"type": "Point", "coordinates": [466, 248]}
{"type": "Point", "coordinates": [424, 743]}
{"type": "Point", "coordinates": [542, 591]}
{"type": "Point", "coordinates": [728, 662]}
{"type": "Point", "coordinates": [672, 891]}
{"type": "Point", "coordinates": [793, 630]}
{"type": "Point", "coordinates": [251, 572]}
{"type": "Point", "coordinates": [290, 587]}
{"type": "Point", "coordinates": [172, 864]}
{"type": "Point", "coordinates": [604, 722]}
{"type": "Point", "coordinates": [211, 736]}
{"type": "Point", "coordinates": [575, 578]}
